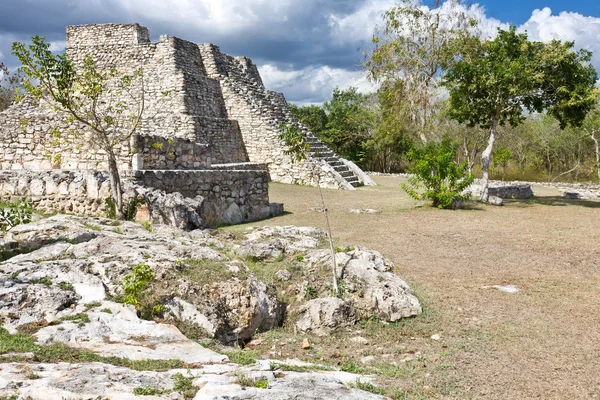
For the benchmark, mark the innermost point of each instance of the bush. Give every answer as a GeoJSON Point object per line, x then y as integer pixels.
{"type": "Point", "coordinates": [434, 166]}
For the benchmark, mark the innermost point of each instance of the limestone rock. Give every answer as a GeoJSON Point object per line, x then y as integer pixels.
{"type": "Point", "coordinates": [373, 288]}
{"type": "Point", "coordinates": [495, 200]}
{"type": "Point", "coordinates": [121, 333]}
{"type": "Point", "coordinates": [584, 194]}
{"type": "Point", "coordinates": [273, 241]}
{"type": "Point", "coordinates": [511, 191]}
{"type": "Point", "coordinates": [322, 315]}
{"type": "Point", "coordinates": [237, 308]}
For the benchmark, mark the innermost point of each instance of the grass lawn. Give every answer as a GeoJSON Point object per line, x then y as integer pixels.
{"type": "Point", "coordinates": [541, 342]}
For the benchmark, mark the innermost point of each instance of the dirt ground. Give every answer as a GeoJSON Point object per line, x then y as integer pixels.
{"type": "Point", "coordinates": [540, 342]}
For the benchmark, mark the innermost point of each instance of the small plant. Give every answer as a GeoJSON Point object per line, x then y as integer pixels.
{"type": "Point", "coordinates": [106, 310]}
{"type": "Point", "coordinates": [80, 319]}
{"type": "Point", "coordinates": [146, 391]}
{"type": "Point", "coordinates": [157, 146]}
{"type": "Point", "coordinates": [45, 280]}
{"type": "Point", "coordinates": [66, 286]}
{"type": "Point", "coordinates": [245, 381]}
{"type": "Point", "coordinates": [135, 283]}
{"type": "Point", "coordinates": [111, 208]}
{"type": "Point", "coordinates": [147, 226]}
{"type": "Point", "coordinates": [299, 258]}
{"type": "Point", "coordinates": [310, 292]}
{"type": "Point", "coordinates": [242, 356]}
{"type": "Point", "coordinates": [15, 213]}
{"type": "Point", "coordinates": [184, 385]}
{"type": "Point", "coordinates": [91, 305]}
{"type": "Point", "coordinates": [435, 168]}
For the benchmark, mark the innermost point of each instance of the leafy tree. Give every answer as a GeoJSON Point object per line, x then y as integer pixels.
{"type": "Point", "coordinates": [435, 168]}
{"type": "Point", "coordinates": [591, 125]}
{"type": "Point", "coordinates": [109, 104]}
{"type": "Point", "coordinates": [350, 122]}
{"type": "Point", "coordinates": [492, 83]}
{"type": "Point", "coordinates": [313, 116]}
{"type": "Point", "coordinates": [8, 86]}
{"type": "Point", "coordinates": [502, 156]}
{"type": "Point", "coordinates": [413, 44]}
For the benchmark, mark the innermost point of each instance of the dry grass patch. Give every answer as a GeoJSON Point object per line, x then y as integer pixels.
{"type": "Point", "coordinates": [541, 342]}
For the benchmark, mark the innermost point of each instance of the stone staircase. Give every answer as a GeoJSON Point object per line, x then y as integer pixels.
{"type": "Point", "coordinates": [272, 108]}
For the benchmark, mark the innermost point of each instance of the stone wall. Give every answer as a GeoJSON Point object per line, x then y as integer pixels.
{"type": "Point", "coordinates": [231, 196]}
{"type": "Point", "coordinates": [157, 152]}
{"type": "Point", "coordinates": [227, 197]}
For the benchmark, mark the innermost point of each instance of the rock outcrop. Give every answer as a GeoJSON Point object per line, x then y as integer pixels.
{"type": "Point", "coordinates": [71, 285]}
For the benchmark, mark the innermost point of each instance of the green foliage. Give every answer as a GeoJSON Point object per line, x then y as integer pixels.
{"type": "Point", "coordinates": [9, 86]}
{"type": "Point", "coordinates": [66, 286]}
{"type": "Point", "coordinates": [146, 391]}
{"type": "Point", "coordinates": [296, 145]}
{"type": "Point", "coordinates": [15, 213]}
{"type": "Point", "coordinates": [314, 117]}
{"type": "Point", "coordinates": [184, 385]}
{"type": "Point", "coordinates": [136, 282]}
{"type": "Point", "coordinates": [350, 122]}
{"type": "Point", "coordinates": [310, 292]}
{"type": "Point", "coordinates": [245, 381]}
{"type": "Point", "coordinates": [242, 356]}
{"type": "Point", "coordinates": [147, 226]}
{"type": "Point", "coordinates": [435, 168]}
{"type": "Point", "coordinates": [495, 80]}
{"type": "Point", "coordinates": [111, 208]}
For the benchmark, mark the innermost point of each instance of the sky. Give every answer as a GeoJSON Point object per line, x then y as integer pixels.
{"type": "Point", "coordinates": [303, 48]}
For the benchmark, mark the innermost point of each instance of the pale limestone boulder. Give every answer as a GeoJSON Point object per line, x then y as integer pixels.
{"type": "Point", "coordinates": [320, 316]}
{"type": "Point", "coordinates": [371, 284]}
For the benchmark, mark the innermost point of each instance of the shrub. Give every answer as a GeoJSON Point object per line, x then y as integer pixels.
{"type": "Point", "coordinates": [135, 283]}
{"type": "Point", "coordinates": [434, 166]}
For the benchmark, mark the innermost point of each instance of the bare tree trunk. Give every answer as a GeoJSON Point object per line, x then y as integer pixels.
{"type": "Point", "coordinates": [115, 183]}
{"type": "Point", "coordinates": [597, 148]}
{"type": "Point", "coordinates": [485, 161]}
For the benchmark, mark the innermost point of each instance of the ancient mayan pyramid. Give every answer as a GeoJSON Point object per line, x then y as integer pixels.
{"type": "Point", "coordinates": [219, 118]}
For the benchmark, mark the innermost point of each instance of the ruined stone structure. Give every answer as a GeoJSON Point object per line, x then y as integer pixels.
{"type": "Point", "coordinates": [217, 133]}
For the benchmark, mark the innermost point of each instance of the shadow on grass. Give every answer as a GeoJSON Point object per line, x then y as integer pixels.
{"type": "Point", "coordinates": [553, 201]}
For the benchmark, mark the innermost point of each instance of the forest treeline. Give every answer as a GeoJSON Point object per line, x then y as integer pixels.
{"type": "Point", "coordinates": [517, 108]}
{"type": "Point", "coordinates": [367, 129]}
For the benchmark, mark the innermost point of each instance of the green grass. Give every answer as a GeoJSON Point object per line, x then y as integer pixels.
{"type": "Point", "coordinates": [146, 391]}
{"type": "Point", "coordinates": [245, 381]}
{"type": "Point", "coordinates": [59, 352]}
{"type": "Point", "coordinates": [66, 286]}
{"type": "Point", "coordinates": [242, 356]}
{"type": "Point", "coordinates": [367, 387]}
{"type": "Point", "coordinates": [204, 272]}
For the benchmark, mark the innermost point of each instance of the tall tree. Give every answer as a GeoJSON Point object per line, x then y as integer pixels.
{"type": "Point", "coordinates": [591, 126]}
{"type": "Point", "coordinates": [491, 84]}
{"type": "Point", "coordinates": [8, 86]}
{"type": "Point", "coordinates": [313, 116]}
{"type": "Point", "coordinates": [109, 104]}
{"type": "Point", "coordinates": [350, 122]}
{"type": "Point", "coordinates": [413, 44]}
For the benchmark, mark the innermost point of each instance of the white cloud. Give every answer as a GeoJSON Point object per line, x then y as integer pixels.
{"type": "Point", "coordinates": [58, 45]}
{"type": "Point", "coordinates": [312, 85]}
{"type": "Point", "coordinates": [567, 26]}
